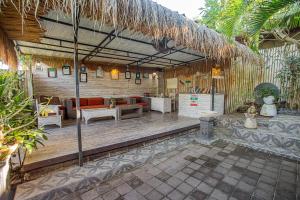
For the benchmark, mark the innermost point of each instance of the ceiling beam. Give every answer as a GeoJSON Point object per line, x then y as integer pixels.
{"type": "Point", "coordinates": [168, 60]}
{"type": "Point", "coordinates": [108, 39]}
{"type": "Point", "coordinates": [70, 52]}
{"type": "Point", "coordinates": [106, 33]}
{"type": "Point", "coordinates": [105, 53]}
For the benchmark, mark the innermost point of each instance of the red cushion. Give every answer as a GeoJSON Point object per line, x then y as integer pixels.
{"type": "Point", "coordinates": [144, 104]}
{"type": "Point", "coordinates": [83, 101]}
{"type": "Point", "coordinates": [95, 101]}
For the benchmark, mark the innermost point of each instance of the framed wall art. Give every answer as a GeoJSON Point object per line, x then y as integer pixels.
{"type": "Point", "coordinates": [127, 75]}
{"type": "Point", "coordinates": [83, 77]}
{"type": "Point", "coordinates": [52, 72]}
{"type": "Point", "coordinates": [138, 81]}
{"type": "Point", "coordinates": [66, 70]}
{"type": "Point", "coordinates": [99, 72]}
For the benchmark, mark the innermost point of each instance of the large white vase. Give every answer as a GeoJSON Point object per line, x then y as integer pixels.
{"type": "Point", "coordinates": [269, 108]}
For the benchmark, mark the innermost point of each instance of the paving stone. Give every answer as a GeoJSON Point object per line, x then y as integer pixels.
{"type": "Point", "coordinates": [135, 182]}
{"type": "Point", "coordinates": [265, 187]}
{"type": "Point", "coordinates": [164, 188]}
{"type": "Point", "coordinates": [217, 194]}
{"type": "Point", "coordinates": [221, 170]}
{"type": "Point", "coordinates": [205, 188]}
{"type": "Point", "coordinates": [242, 165]}
{"type": "Point", "coordinates": [123, 189]}
{"type": "Point", "coordinates": [249, 180]}
{"type": "Point", "coordinates": [223, 154]}
{"type": "Point", "coordinates": [174, 182]}
{"type": "Point", "coordinates": [226, 165]}
{"type": "Point", "coordinates": [144, 189]}
{"type": "Point", "coordinates": [163, 176]}
{"type": "Point", "coordinates": [230, 180]}
{"type": "Point", "coordinates": [261, 194]}
{"type": "Point", "coordinates": [241, 195]}
{"type": "Point", "coordinates": [181, 176]}
{"type": "Point", "coordinates": [211, 181]}
{"type": "Point", "coordinates": [185, 188]}
{"type": "Point", "coordinates": [254, 169]}
{"type": "Point", "coordinates": [257, 165]}
{"type": "Point", "coordinates": [103, 188]}
{"type": "Point", "coordinates": [194, 166]}
{"type": "Point", "coordinates": [234, 174]}
{"type": "Point", "coordinates": [197, 195]}
{"type": "Point", "coordinates": [190, 158]}
{"type": "Point", "coordinates": [154, 171]}
{"type": "Point", "coordinates": [217, 175]}
{"type": "Point", "coordinates": [242, 160]}
{"type": "Point", "coordinates": [92, 194]}
{"type": "Point", "coordinates": [267, 180]}
{"type": "Point", "coordinates": [203, 157]}
{"type": "Point", "coordinates": [225, 187]}
{"type": "Point", "coordinates": [193, 181]}
{"type": "Point", "coordinates": [200, 162]}
{"type": "Point", "coordinates": [176, 195]}
{"type": "Point", "coordinates": [134, 195]}
{"type": "Point", "coordinates": [199, 176]}
{"type": "Point", "coordinates": [245, 187]}
{"type": "Point", "coordinates": [188, 170]}
{"type": "Point", "coordinates": [204, 170]}
{"type": "Point", "coordinates": [154, 182]}
{"type": "Point", "coordinates": [112, 195]}
{"type": "Point", "coordinates": [154, 195]}
{"type": "Point", "coordinates": [116, 182]}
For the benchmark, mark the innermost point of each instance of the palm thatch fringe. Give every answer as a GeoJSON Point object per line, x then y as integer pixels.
{"type": "Point", "coordinates": [149, 18]}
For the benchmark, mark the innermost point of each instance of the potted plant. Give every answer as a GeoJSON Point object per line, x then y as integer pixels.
{"type": "Point", "coordinates": [268, 93]}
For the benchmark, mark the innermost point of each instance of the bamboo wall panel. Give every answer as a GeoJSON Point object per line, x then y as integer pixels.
{"type": "Point", "coordinates": [7, 51]}
{"type": "Point", "coordinates": [64, 85]}
{"type": "Point", "coordinates": [240, 79]}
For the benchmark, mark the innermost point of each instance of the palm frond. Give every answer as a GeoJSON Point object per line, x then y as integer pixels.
{"type": "Point", "coordinates": [264, 11]}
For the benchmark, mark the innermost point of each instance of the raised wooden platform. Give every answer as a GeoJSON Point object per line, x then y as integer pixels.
{"type": "Point", "coordinates": [103, 136]}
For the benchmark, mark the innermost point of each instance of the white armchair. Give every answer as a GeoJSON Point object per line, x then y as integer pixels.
{"type": "Point", "coordinates": [48, 115]}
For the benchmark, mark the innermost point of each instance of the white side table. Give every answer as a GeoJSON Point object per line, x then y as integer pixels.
{"type": "Point", "coordinates": [161, 104]}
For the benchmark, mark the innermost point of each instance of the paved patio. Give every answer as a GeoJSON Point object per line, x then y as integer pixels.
{"type": "Point", "coordinates": [194, 171]}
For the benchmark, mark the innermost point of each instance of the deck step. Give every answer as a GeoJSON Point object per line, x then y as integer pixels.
{"type": "Point", "coordinates": [58, 184]}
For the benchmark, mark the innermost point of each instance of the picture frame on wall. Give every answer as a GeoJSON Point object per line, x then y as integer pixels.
{"type": "Point", "coordinates": [52, 72]}
{"type": "Point", "coordinates": [99, 72]}
{"type": "Point", "coordinates": [138, 75]}
{"type": "Point", "coordinates": [83, 77]}
{"type": "Point", "coordinates": [83, 69]}
{"type": "Point", "coordinates": [146, 75]}
{"type": "Point", "coordinates": [127, 75]}
{"type": "Point", "coordinates": [66, 70]}
{"type": "Point", "coordinates": [138, 81]}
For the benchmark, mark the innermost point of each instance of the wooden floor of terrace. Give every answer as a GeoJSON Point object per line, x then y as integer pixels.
{"type": "Point", "coordinates": [101, 136]}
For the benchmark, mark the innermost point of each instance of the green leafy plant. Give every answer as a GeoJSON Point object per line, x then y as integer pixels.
{"type": "Point", "coordinates": [17, 119]}
{"type": "Point", "coordinates": [265, 92]}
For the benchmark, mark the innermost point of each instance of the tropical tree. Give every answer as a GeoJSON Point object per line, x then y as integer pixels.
{"type": "Point", "coordinates": [252, 20]}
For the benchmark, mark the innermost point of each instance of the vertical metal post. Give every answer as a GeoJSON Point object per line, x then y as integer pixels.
{"type": "Point", "coordinates": [76, 20]}
{"type": "Point", "coordinates": [213, 94]}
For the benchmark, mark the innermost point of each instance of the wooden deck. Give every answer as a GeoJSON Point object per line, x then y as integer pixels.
{"type": "Point", "coordinates": [104, 135]}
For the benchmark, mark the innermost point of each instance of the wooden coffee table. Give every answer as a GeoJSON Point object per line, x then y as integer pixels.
{"type": "Point", "coordinates": [98, 112]}
{"type": "Point", "coordinates": [129, 111]}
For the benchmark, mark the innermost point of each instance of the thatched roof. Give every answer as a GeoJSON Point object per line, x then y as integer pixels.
{"type": "Point", "coordinates": [147, 17]}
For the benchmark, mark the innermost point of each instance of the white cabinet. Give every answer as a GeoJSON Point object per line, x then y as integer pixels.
{"type": "Point", "coordinates": [197, 105]}
{"type": "Point", "coordinates": [161, 104]}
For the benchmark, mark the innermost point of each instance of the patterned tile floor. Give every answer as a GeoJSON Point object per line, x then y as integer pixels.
{"type": "Point", "coordinates": [195, 171]}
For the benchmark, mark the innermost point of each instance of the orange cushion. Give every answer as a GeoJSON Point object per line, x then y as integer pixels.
{"type": "Point", "coordinates": [95, 101]}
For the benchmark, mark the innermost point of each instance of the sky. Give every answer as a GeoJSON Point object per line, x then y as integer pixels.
{"type": "Point", "coordinates": [188, 7]}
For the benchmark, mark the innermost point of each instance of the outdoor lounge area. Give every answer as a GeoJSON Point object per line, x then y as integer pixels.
{"type": "Point", "coordinates": [130, 100]}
